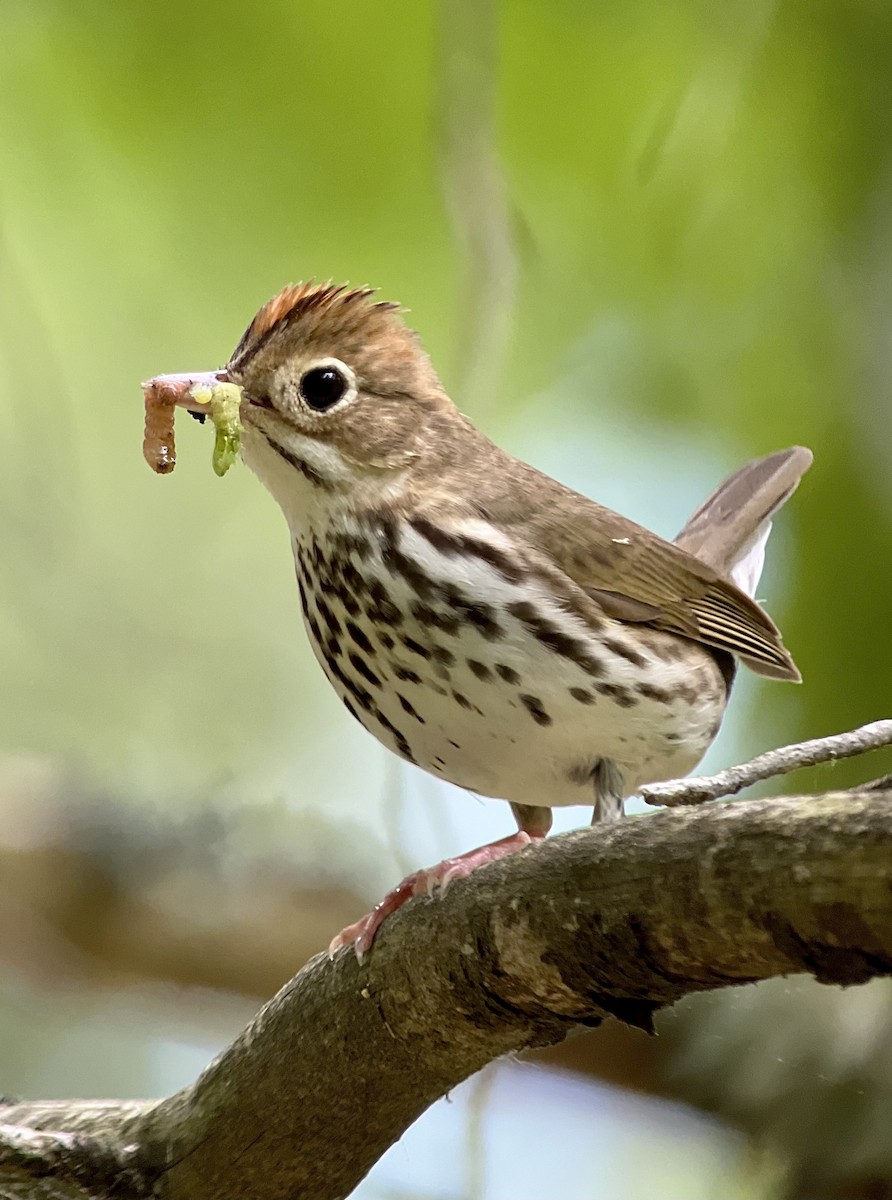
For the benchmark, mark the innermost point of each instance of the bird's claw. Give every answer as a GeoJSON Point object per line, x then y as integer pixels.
{"type": "Point", "coordinates": [431, 882]}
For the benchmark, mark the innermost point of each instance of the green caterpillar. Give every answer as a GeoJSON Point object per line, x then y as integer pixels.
{"type": "Point", "coordinates": [223, 399]}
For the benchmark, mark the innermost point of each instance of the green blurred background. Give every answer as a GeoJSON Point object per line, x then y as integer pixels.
{"type": "Point", "coordinates": [642, 242]}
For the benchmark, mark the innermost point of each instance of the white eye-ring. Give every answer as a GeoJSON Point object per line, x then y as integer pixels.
{"type": "Point", "coordinates": [327, 383]}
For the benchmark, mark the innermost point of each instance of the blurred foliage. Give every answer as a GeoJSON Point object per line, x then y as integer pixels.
{"type": "Point", "coordinates": [661, 229]}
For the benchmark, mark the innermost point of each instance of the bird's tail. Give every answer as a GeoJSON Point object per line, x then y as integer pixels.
{"type": "Point", "coordinates": [730, 528]}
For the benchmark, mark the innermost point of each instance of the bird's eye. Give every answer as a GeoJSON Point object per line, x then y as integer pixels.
{"type": "Point", "coordinates": [322, 387]}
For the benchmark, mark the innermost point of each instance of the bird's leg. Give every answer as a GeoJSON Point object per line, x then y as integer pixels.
{"type": "Point", "coordinates": [533, 824]}
{"type": "Point", "coordinates": [608, 783]}
{"type": "Point", "coordinates": [532, 819]}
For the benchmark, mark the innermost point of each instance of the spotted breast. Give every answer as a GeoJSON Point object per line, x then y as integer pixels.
{"type": "Point", "coordinates": [462, 660]}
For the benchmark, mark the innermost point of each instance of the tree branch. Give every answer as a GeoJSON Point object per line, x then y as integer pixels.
{"type": "Point", "coordinates": [676, 792]}
{"type": "Point", "coordinates": [618, 920]}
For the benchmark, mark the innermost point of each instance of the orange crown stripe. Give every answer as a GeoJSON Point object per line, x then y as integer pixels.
{"type": "Point", "coordinates": [299, 299]}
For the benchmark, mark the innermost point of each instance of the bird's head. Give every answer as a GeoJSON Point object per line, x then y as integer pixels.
{"type": "Point", "coordinates": [339, 401]}
{"type": "Point", "coordinates": [336, 389]}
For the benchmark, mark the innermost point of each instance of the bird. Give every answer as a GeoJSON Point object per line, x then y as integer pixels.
{"type": "Point", "coordinates": [479, 618]}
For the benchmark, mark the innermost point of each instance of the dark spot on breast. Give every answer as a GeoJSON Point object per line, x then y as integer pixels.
{"type": "Point", "coordinates": [481, 617]}
{"type": "Point", "coordinates": [650, 692]}
{"type": "Point", "coordinates": [481, 670]}
{"type": "Point", "coordinates": [451, 595]}
{"type": "Point", "coordinates": [407, 707]}
{"type": "Point", "coordinates": [416, 647]}
{"type": "Point", "coordinates": [443, 656]}
{"type": "Point", "coordinates": [533, 705]}
{"type": "Point", "coordinates": [345, 598]}
{"type": "Point", "coordinates": [359, 638]}
{"type": "Point", "coordinates": [379, 607]}
{"type": "Point", "coordinates": [385, 639]}
{"type": "Point", "coordinates": [328, 616]}
{"type": "Point", "coordinates": [352, 578]}
{"type": "Point", "coordinates": [404, 674]}
{"type": "Point", "coordinates": [434, 618]}
{"type": "Point", "coordinates": [615, 646]}
{"type": "Point", "coordinates": [554, 638]}
{"type": "Point", "coordinates": [377, 592]}
{"type": "Point", "coordinates": [582, 695]}
{"type": "Point", "coordinates": [364, 669]}
{"type": "Point", "coordinates": [402, 746]}
{"type": "Point", "coordinates": [359, 694]}
{"type": "Point", "coordinates": [619, 695]}
{"type": "Point", "coordinates": [507, 673]}
{"type": "Point", "coordinates": [390, 615]}
{"type": "Point", "coordinates": [402, 564]}
{"type": "Point", "coordinates": [345, 583]}
{"type": "Point", "coordinates": [351, 543]}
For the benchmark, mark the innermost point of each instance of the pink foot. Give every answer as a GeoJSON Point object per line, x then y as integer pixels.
{"type": "Point", "coordinates": [362, 933]}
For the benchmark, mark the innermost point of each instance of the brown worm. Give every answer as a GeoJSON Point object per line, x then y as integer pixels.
{"type": "Point", "coordinates": [158, 446]}
{"type": "Point", "coordinates": [163, 394]}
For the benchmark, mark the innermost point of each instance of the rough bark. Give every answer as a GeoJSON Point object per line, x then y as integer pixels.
{"type": "Point", "coordinates": [618, 920]}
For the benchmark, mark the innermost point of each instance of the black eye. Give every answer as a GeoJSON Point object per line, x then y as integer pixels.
{"type": "Point", "coordinates": [322, 387]}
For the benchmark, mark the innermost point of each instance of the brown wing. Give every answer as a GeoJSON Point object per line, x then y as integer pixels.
{"type": "Point", "coordinates": [637, 577]}
{"type": "Point", "coordinates": [640, 578]}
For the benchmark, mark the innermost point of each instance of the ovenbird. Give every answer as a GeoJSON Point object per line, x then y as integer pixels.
{"type": "Point", "coordinates": [480, 619]}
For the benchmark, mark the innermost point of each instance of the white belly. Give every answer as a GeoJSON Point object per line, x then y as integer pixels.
{"type": "Point", "coordinates": [467, 692]}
